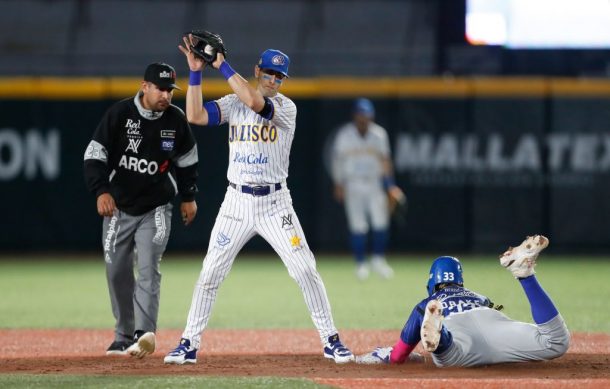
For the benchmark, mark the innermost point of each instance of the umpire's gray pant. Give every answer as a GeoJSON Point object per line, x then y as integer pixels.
{"type": "Point", "coordinates": [126, 240]}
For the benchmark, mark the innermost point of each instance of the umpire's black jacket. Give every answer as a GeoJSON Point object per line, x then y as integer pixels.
{"type": "Point", "coordinates": [142, 158]}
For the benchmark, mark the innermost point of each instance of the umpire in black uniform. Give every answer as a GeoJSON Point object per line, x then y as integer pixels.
{"type": "Point", "coordinates": [142, 154]}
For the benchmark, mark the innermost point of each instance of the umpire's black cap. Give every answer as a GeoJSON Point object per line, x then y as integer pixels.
{"type": "Point", "coordinates": [162, 75]}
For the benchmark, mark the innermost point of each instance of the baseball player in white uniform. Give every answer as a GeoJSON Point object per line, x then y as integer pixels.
{"type": "Point", "coordinates": [362, 174]}
{"type": "Point", "coordinates": [261, 129]}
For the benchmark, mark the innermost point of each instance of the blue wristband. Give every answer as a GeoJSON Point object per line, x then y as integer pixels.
{"type": "Point", "coordinates": [195, 78]}
{"type": "Point", "coordinates": [226, 70]}
{"type": "Point", "coordinates": [388, 181]}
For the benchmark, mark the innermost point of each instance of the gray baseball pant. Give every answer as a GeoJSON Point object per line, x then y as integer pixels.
{"type": "Point", "coordinates": [486, 336]}
{"type": "Point", "coordinates": [128, 242]}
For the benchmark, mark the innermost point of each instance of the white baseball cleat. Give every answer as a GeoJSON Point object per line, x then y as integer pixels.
{"type": "Point", "coordinates": [183, 354]}
{"type": "Point", "coordinates": [521, 260]}
{"type": "Point", "coordinates": [336, 351]}
{"type": "Point", "coordinates": [143, 346]}
{"type": "Point", "coordinates": [431, 325]}
{"type": "Point", "coordinates": [380, 265]}
{"type": "Point", "coordinates": [362, 271]}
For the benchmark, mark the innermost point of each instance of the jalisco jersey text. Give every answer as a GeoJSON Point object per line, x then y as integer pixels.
{"type": "Point", "coordinates": [142, 158]}
{"type": "Point", "coordinates": [259, 148]}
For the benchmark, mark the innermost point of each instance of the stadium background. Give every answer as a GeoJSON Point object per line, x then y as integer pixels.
{"type": "Point", "coordinates": [489, 143]}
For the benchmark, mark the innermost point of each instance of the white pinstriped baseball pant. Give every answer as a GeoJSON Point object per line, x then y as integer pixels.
{"type": "Point", "coordinates": [240, 218]}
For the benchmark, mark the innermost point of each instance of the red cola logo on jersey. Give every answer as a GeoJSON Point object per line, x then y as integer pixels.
{"type": "Point", "coordinates": [133, 127]}
{"type": "Point", "coordinates": [252, 133]}
{"type": "Point", "coordinates": [251, 159]}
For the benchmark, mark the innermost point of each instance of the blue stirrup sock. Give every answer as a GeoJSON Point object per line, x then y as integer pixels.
{"type": "Point", "coordinates": [542, 307]}
{"type": "Point", "coordinates": [358, 247]}
{"type": "Point", "coordinates": [380, 242]}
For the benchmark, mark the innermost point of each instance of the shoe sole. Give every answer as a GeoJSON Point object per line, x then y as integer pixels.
{"type": "Point", "coordinates": [528, 250]}
{"type": "Point", "coordinates": [117, 353]}
{"type": "Point", "coordinates": [431, 326]}
{"type": "Point", "coordinates": [171, 361]}
{"type": "Point", "coordinates": [384, 270]}
{"type": "Point", "coordinates": [340, 360]}
{"type": "Point", "coordinates": [144, 346]}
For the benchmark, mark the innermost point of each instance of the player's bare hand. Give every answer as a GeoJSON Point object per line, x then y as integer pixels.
{"type": "Point", "coordinates": [396, 199]}
{"type": "Point", "coordinates": [105, 204]}
{"type": "Point", "coordinates": [220, 58]}
{"type": "Point", "coordinates": [195, 63]}
{"type": "Point", "coordinates": [396, 193]}
{"type": "Point", "coordinates": [339, 193]}
{"type": "Point", "coordinates": [188, 210]}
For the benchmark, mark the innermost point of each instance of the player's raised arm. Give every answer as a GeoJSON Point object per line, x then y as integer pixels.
{"type": "Point", "coordinates": [249, 95]}
{"type": "Point", "coordinates": [195, 111]}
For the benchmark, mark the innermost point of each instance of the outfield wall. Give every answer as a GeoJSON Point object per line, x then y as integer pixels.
{"type": "Point", "coordinates": [483, 161]}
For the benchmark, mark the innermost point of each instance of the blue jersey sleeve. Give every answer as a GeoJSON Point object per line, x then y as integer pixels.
{"type": "Point", "coordinates": [213, 113]}
{"type": "Point", "coordinates": [268, 109]}
{"type": "Point", "coordinates": [410, 333]}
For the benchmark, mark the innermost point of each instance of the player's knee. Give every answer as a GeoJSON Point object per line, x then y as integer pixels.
{"type": "Point", "coordinates": [149, 273]}
{"type": "Point", "coordinates": [209, 281]}
{"type": "Point", "coordinates": [558, 338]}
{"type": "Point", "coordinates": [303, 273]}
{"type": "Point", "coordinates": [561, 344]}
{"type": "Point", "coordinates": [562, 349]}
{"type": "Point", "coordinates": [117, 275]}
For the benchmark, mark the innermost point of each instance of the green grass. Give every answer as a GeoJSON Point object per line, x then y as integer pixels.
{"type": "Point", "coordinates": [132, 382]}
{"type": "Point", "coordinates": [258, 293]}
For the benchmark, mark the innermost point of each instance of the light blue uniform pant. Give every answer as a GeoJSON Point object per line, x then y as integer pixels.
{"type": "Point", "coordinates": [487, 336]}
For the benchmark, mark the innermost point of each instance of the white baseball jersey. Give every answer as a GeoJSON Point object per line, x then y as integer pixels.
{"type": "Point", "coordinates": [358, 166]}
{"type": "Point", "coordinates": [359, 158]}
{"type": "Point", "coordinates": [259, 149]}
{"type": "Point", "coordinates": [259, 156]}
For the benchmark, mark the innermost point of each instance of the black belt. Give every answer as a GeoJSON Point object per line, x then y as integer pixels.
{"type": "Point", "coordinates": [257, 190]}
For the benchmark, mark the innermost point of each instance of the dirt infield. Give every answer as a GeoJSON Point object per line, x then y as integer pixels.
{"type": "Point", "coordinates": [286, 353]}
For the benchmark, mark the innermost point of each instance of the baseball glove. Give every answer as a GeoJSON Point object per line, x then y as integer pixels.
{"type": "Point", "coordinates": [398, 205]}
{"type": "Point", "coordinates": [206, 45]}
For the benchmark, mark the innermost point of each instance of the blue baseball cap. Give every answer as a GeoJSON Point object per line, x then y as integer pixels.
{"type": "Point", "coordinates": [365, 107]}
{"type": "Point", "coordinates": [274, 60]}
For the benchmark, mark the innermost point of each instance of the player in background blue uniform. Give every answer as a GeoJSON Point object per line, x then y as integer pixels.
{"type": "Point", "coordinates": [463, 328]}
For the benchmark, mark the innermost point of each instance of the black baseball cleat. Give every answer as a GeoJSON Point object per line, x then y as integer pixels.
{"type": "Point", "coordinates": [119, 348]}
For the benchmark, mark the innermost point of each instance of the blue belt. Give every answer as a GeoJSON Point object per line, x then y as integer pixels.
{"type": "Point", "coordinates": [258, 190]}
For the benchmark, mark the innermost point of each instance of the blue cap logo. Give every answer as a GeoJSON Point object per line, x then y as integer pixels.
{"type": "Point", "coordinates": [277, 60]}
{"type": "Point", "coordinates": [274, 60]}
